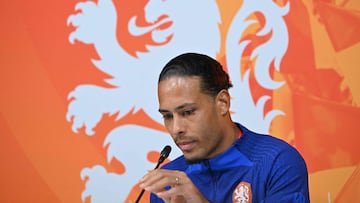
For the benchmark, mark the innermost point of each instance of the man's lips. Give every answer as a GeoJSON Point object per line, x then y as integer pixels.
{"type": "Point", "coordinates": [186, 145]}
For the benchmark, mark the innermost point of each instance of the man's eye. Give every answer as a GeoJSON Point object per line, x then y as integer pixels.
{"type": "Point", "coordinates": [188, 112]}
{"type": "Point", "coordinates": [167, 116]}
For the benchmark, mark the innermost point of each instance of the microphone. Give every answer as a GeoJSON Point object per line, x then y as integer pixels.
{"type": "Point", "coordinates": [163, 155]}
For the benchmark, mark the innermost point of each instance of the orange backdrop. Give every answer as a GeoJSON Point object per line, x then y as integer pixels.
{"type": "Point", "coordinates": [41, 157]}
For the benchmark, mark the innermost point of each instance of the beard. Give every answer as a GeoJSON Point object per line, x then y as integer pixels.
{"type": "Point", "coordinates": [194, 160]}
{"type": "Point", "coordinates": [203, 151]}
{"type": "Point", "coordinates": [204, 154]}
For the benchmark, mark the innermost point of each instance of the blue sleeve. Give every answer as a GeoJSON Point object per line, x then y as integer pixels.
{"type": "Point", "coordinates": [155, 199]}
{"type": "Point", "coordinates": [289, 179]}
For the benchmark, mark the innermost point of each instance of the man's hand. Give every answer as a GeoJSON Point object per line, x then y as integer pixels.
{"type": "Point", "coordinates": [181, 187]}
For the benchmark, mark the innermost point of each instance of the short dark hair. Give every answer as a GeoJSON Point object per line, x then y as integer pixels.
{"type": "Point", "coordinates": [212, 76]}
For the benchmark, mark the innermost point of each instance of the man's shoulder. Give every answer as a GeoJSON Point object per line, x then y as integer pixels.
{"type": "Point", "coordinates": [258, 144]}
{"type": "Point", "coordinates": [252, 138]}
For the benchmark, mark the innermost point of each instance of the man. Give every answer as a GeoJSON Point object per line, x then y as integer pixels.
{"type": "Point", "coordinates": [222, 161]}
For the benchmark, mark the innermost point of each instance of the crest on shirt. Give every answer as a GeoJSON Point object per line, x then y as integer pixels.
{"type": "Point", "coordinates": [242, 193]}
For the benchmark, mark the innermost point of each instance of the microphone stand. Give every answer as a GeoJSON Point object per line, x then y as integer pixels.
{"type": "Point", "coordinates": [163, 155]}
{"type": "Point", "coordinates": [142, 191]}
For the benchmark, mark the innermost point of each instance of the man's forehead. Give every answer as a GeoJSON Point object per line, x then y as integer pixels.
{"type": "Point", "coordinates": [180, 77]}
{"type": "Point", "coordinates": [178, 84]}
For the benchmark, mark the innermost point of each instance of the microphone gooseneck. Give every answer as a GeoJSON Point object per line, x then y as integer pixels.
{"type": "Point", "coordinates": [163, 155]}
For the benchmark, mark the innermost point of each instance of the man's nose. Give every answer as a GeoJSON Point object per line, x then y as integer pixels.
{"type": "Point", "coordinates": [178, 125]}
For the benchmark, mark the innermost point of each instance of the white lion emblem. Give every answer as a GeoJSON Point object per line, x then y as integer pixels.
{"type": "Point", "coordinates": [175, 27]}
{"type": "Point", "coordinates": [242, 193]}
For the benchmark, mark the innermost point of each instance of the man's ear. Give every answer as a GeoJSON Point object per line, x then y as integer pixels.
{"type": "Point", "coordinates": [223, 102]}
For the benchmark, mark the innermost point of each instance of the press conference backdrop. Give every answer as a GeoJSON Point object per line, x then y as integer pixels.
{"type": "Point", "coordinates": [79, 120]}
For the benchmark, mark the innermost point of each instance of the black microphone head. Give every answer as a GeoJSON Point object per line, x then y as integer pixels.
{"type": "Point", "coordinates": [164, 153]}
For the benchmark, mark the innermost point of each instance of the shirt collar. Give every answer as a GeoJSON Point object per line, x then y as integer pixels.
{"type": "Point", "coordinates": [230, 158]}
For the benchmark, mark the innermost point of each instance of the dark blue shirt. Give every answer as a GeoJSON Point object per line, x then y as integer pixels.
{"type": "Point", "coordinates": [256, 168]}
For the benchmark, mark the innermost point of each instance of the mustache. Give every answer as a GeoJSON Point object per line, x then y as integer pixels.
{"type": "Point", "coordinates": [184, 138]}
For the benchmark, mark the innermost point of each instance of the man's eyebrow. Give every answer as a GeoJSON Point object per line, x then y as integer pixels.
{"type": "Point", "coordinates": [177, 108]}
{"type": "Point", "coordinates": [163, 111]}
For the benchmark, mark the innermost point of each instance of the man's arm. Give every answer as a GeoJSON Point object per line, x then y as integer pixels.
{"type": "Point", "coordinates": [288, 181]}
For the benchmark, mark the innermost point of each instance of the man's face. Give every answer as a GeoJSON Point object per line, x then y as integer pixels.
{"type": "Point", "coordinates": [191, 117]}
